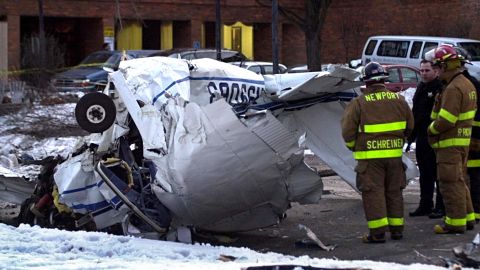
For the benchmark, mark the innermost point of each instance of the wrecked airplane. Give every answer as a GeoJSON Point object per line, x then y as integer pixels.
{"type": "Point", "coordinates": [178, 144]}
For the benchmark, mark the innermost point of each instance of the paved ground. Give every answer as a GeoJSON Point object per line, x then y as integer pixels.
{"type": "Point", "coordinates": [338, 219]}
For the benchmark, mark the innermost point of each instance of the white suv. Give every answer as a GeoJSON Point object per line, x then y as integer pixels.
{"type": "Point", "coordinates": [409, 50]}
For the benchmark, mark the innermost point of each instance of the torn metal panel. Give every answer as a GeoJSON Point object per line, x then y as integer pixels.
{"type": "Point", "coordinates": [147, 118]}
{"type": "Point", "coordinates": [13, 187]}
{"type": "Point", "coordinates": [274, 134]}
{"type": "Point", "coordinates": [304, 185]}
{"type": "Point", "coordinates": [154, 79]}
{"type": "Point", "coordinates": [83, 191]}
{"type": "Point", "coordinates": [221, 164]}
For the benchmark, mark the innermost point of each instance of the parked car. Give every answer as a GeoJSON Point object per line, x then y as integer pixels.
{"type": "Point", "coordinates": [92, 73]}
{"type": "Point", "coordinates": [401, 77]}
{"type": "Point", "coordinates": [260, 67]}
{"type": "Point", "coordinates": [297, 69]}
{"type": "Point", "coordinates": [190, 53]}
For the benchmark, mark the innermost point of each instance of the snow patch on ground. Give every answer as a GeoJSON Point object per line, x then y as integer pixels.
{"type": "Point", "coordinates": [28, 247]}
{"type": "Point", "coordinates": [51, 121]}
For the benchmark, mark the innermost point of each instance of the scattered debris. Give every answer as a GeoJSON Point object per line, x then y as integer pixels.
{"type": "Point", "coordinates": [226, 258]}
{"type": "Point", "coordinates": [468, 255]}
{"type": "Point", "coordinates": [426, 258]}
{"type": "Point", "coordinates": [312, 236]}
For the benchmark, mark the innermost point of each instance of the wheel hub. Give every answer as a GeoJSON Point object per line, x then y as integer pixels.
{"type": "Point", "coordinates": [95, 114]}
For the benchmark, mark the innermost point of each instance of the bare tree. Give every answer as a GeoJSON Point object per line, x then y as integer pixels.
{"type": "Point", "coordinates": [311, 24]}
{"type": "Point", "coordinates": [351, 30]}
{"type": "Point", "coordinates": [38, 74]}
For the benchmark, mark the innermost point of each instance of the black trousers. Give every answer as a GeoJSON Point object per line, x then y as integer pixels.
{"type": "Point", "coordinates": [428, 175]}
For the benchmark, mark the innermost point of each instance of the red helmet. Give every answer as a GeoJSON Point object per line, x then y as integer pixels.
{"type": "Point", "coordinates": [463, 54]}
{"type": "Point", "coordinates": [443, 53]}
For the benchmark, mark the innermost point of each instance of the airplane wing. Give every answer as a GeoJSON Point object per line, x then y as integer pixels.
{"type": "Point", "coordinates": [323, 136]}
{"type": "Point", "coordinates": [322, 124]}
{"type": "Point", "coordinates": [307, 85]}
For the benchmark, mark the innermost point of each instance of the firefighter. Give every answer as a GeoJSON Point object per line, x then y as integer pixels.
{"type": "Point", "coordinates": [449, 135]}
{"type": "Point", "coordinates": [374, 127]}
{"type": "Point", "coordinates": [473, 163]}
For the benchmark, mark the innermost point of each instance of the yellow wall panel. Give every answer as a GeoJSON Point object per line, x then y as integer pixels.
{"type": "Point", "coordinates": [247, 41]}
{"type": "Point", "coordinates": [166, 39]}
{"type": "Point", "coordinates": [130, 37]}
{"type": "Point", "coordinates": [246, 38]}
{"type": "Point", "coordinates": [227, 37]}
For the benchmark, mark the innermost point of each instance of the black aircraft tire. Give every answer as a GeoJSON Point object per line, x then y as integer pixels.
{"type": "Point", "coordinates": [95, 112]}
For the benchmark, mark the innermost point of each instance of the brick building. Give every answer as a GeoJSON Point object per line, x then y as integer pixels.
{"type": "Point", "coordinates": [82, 26]}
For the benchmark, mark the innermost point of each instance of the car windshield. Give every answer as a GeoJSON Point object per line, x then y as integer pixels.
{"type": "Point", "coordinates": [232, 56]}
{"type": "Point", "coordinates": [96, 59]}
{"type": "Point", "coordinates": [473, 49]}
{"type": "Point", "coordinates": [113, 61]}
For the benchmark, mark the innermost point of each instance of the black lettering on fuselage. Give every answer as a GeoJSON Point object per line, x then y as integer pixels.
{"type": "Point", "coordinates": [212, 89]}
{"type": "Point", "coordinates": [234, 92]}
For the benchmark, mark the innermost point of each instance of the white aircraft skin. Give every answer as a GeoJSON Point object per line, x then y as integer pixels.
{"type": "Point", "coordinates": [226, 144]}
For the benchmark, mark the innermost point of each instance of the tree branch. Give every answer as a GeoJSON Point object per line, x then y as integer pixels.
{"type": "Point", "coordinates": [292, 16]}
{"type": "Point", "coordinates": [289, 14]}
{"type": "Point", "coordinates": [322, 15]}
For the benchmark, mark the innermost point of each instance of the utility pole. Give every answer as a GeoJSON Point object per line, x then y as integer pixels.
{"type": "Point", "coordinates": [218, 21]}
{"type": "Point", "coordinates": [41, 41]}
{"type": "Point", "coordinates": [275, 36]}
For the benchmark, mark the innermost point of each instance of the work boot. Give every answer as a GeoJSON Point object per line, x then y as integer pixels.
{"type": "Point", "coordinates": [396, 235]}
{"type": "Point", "coordinates": [436, 213]}
{"type": "Point", "coordinates": [374, 238]}
{"type": "Point", "coordinates": [441, 229]}
{"type": "Point", "coordinates": [421, 211]}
